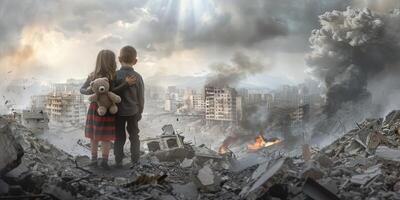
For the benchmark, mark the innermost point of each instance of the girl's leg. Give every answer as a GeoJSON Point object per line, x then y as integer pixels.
{"type": "Point", "coordinates": [105, 149]}
{"type": "Point", "coordinates": [93, 146]}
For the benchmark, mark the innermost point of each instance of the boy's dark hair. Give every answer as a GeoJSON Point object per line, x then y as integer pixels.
{"type": "Point", "coordinates": [127, 54]}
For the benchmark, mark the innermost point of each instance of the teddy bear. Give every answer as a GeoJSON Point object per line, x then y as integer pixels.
{"type": "Point", "coordinates": [105, 99]}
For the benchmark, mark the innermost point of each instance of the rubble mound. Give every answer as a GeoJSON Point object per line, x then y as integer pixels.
{"type": "Point", "coordinates": [362, 164]}
{"type": "Point", "coordinates": [11, 150]}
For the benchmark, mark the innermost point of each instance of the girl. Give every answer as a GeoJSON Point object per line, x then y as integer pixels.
{"type": "Point", "coordinates": [102, 128]}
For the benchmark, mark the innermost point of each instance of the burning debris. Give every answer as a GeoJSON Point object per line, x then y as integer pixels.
{"type": "Point", "coordinates": [260, 142]}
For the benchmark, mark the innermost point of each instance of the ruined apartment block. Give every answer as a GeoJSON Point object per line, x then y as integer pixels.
{"type": "Point", "coordinates": [222, 105]}
{"type": "Point", "coordinates": [197, 103]}
{"type": "Point", "coordinates": [38, 102]}
{"type": "Point", "coordinates": [66, 108]}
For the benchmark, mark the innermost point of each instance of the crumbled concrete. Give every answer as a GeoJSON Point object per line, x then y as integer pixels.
{"type": "Point", "coordinates": [11, 150]}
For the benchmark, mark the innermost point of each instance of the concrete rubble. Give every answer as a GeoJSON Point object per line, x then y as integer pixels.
{"type": "Point", "coordinates": [361, 164]}
{"type": "Point", "coordinates": [11, 151]}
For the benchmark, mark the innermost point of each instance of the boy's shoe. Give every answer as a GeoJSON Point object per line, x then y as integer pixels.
{"type": "Point", "coordinates": [104, 164]}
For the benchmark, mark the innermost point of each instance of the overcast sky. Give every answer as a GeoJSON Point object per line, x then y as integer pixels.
{"type": "Point", "coordinates": [59, 39]}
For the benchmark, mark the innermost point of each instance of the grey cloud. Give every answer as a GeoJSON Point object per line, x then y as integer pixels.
{"type": "Point", "coordinates": [109, 39]}
{"type": "Point", "coordinates": [14, 16]}
{"type": "Point", "coordinates": [232, 22]}
{"type": "Point", "coordinates": [239, 23]}
{"type": "Point", "coordinates": [256, 24]}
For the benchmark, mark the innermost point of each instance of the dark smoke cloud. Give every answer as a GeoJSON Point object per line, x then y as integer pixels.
{"type": "Point", "coordinates": [351, 48]}
{"type": "Point", "coordinates": [228, 75]}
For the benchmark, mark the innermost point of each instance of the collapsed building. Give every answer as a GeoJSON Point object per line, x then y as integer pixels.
{"type": "Point", "coordinates": [361, 164]}
{"type": "Point", "coordinates": [223, 105]}
{"type": "Point", "coordinates": [66, 108]}
{"type": "Point", "coordinates": [36, 121]}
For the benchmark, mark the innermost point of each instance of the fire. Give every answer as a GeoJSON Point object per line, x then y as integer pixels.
{"type": "Point", "coordinates": [223, 150]}
{"type": "Point", "coordinates": [261, 143]}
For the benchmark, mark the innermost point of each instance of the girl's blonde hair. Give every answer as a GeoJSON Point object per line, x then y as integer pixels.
{"type": "Point", "coordinates": [106, 65]}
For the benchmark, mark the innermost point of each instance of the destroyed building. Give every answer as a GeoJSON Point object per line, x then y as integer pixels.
{"type": "Point", "coordinates": [38, 102]}
{"type": "Point", "coordinates": [66, 108]}
{"type": "Point", "coordinates": [196, 103]}
{"type": "Point", "coordinates": [36, 121]}
{"type": "Point", "coordinates": [223, 105]}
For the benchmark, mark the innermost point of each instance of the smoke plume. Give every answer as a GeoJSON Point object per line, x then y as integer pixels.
{"type": "Point", "coordinates": [351, 48]}
{"type": "Point", "coordinates": [224, 75]}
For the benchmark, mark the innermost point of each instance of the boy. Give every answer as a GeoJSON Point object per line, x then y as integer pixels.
{"type": "Point", "coordinates": [130, 109]}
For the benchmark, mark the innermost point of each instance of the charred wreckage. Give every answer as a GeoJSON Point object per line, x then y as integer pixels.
{"type": "Point", "coordinates": [361, 164]}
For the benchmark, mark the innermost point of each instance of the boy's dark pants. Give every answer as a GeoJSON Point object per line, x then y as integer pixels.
{"type": "Point", "coordinates": [131, 123]}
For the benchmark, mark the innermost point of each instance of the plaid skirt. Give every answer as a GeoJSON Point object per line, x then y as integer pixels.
{"type": "Point", "coordinates": [99, 128]}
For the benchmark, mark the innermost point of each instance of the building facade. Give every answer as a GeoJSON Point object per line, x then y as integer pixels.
{"type": "Point", "coordinates": [170, 105]}
{"type": "Point", "coordinates": [38, 102]}
{"type": "Point", "coordinates": [36, 121]}
{"type": "Point", "coordinates": [66, 108]}
{"type": "Point", "coordinates": [197, 103]}
{"type": "Point", "coordinates": [221, 105]}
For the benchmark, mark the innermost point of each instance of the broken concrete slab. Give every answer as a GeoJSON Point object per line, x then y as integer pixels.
{"type": "Point", "coordinates": [330, 184]}
{"type": "Point", "coordinates": [387, 153]}
{"type": "Point", "coordinates": [248, 160]}
{"type": "Point", "coordinates": [368, 175]}
{"type": "Point", "coordinates": [121, 181]}
{"type": "Point", "coordinates": [312, 171]}
{"type": "Point", "coordinates": [171, 155]}
{"type": "Point", "coordinates": [323, 160]}
{"type": "Point", "coordinates": [18, 175]}
{"type": "Point", "coordinates": [207, 180]}
{"type": "Point", "coordinates": [11, 150]}
{"type": "Point", "coordinates": [188, 191]}
{"type": "Point", "coordinates": [4, 187]}
{"type": "Point", "coordinates": [58, 192]}
{"type": "Point", "coordinates": [206, 153]}
{"type": "Point", "coordinates": [265, 180]}
{"type": "Point", "coordinates": [392, 117]}
{"type": "Point", "coordinates": [206, 175]}
{"type": "Point", "coordinates": [316, 191]}
{"type": "Point", "coordinates": [374, 139]}
{"type": "Point", "coordinates": [168, 129]}
{"type": "Point", "coordinates": [82, 160]}
{"type": "Point", "coordinates": [186, 163]}
{"type": "Point", "coordinates": [358, 160]}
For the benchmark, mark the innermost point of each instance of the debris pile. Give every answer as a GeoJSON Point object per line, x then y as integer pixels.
{"type": "Point", "coordinates": [362, 164]}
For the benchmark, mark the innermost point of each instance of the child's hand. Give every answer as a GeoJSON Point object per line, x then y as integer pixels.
{"type": "Point", "coordinates": [131, 80]}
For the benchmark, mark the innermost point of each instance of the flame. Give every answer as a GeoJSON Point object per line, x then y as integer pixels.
{"type": "Point", "coordinates": [223, 149]}
{"type": "Point", "coordinates": [261, 143]}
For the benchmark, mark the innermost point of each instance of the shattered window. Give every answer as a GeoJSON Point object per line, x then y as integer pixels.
{"type": "Point", "coordinates": [172, 143]}
{"type": "Point", "coordinates": [153, 146]}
